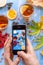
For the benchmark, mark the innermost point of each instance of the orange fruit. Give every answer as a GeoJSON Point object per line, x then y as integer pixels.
{"type": "Point", "coordinates": [11, 14]}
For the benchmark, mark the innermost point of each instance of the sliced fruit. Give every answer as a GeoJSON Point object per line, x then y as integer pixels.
{"type": "Point", "coordinates": [3, 25]}
{"type": "Point", "coordinates": [23, 8]}
{"type": "Point", "coordinates": [11, 14]}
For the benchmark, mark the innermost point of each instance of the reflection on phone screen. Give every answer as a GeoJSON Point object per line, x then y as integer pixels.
{"type": "Point", "coordinates": [18, 39]}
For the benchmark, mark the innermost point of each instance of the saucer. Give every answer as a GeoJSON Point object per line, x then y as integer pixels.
{"type": "Point", "coordinates": [36, 2]}
{"type": "Point", "coordinates": [2, 3]}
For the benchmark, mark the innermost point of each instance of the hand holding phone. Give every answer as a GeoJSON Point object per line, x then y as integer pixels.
{"type": "Point", "coordinates": [19, 38]}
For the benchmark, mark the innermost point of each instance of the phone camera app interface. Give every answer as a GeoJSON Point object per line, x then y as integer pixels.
{"type": "Point", "coordinates": [18, 39]}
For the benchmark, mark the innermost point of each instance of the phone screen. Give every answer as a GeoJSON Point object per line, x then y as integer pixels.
{"type": "Point", "coordinates": [19, 37]}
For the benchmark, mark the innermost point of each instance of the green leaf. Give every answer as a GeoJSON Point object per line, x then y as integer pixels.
{"type": "Point", "coordinates": [38, 46]}
{"type": "Point", "coordinates": [30, 27]}
{"type": "Point", "coordinates": [39, 41]}
{"type": "Point", "coordinates": [35, 32]}
{"type": "Point", "coordinates": [35, 25]}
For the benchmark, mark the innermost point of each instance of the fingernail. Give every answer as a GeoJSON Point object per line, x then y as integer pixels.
{"type": "Point", "coordinates": [18, 52]}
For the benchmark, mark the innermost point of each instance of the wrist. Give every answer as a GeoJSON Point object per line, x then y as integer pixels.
{"type": "Point", "coordinates": [6, 62]}
{"type": "Point", "coordinates": [37, 63]}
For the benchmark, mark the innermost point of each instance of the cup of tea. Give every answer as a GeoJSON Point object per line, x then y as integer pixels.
{"type": "Point", "coordinates": [26, 11]}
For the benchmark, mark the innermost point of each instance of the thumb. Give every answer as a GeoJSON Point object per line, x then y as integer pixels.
{"type": "Point", "coordinates": [21, 54]}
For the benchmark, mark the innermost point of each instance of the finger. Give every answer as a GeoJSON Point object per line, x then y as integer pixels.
{"type": "Point", "coordinates": [21, 54]}
{"type": "Point", "coordinates": [11, 54]}
{"type": "Point", "coordinates": [10, 61]}
{"type": "Point", "coordinates": [16, 62]}
{"type": "Point", "coordinates": [29, 47]}
{"type": "Point", "coordinates": [8, 41]}
{"type": "Point", "coordinates": [7, 55]}
{"type": "Point", "coordinates": [7, 47]}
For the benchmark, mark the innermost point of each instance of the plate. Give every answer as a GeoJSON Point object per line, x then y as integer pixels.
{"type": "Point", "coordinates": [36, 2]}
{"type": "Point", "coordinates": [2, 3]}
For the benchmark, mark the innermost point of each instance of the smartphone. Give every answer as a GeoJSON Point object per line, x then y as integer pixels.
{"type": "Point", "coordinates": [18, 38]}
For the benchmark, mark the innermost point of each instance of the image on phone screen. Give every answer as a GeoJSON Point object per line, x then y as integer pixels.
{"type": "Point", "coordinates": [19, 39]}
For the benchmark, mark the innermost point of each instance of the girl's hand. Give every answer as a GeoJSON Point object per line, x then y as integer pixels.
{"type": "Point", "coordinates": [8, 53]}
{"type": "Point", "coordinates": [29, 58]}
